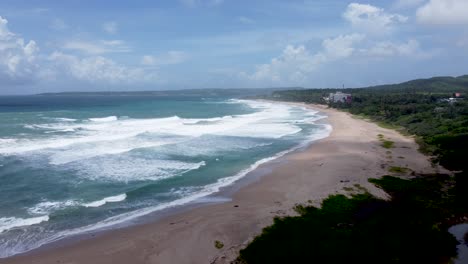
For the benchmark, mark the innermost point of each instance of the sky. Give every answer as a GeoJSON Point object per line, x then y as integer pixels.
{"type": "Point", "coordinates": [87, 45]}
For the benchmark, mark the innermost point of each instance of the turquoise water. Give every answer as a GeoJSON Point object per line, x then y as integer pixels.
{"type": "Point", "coordinates": [74, 164]}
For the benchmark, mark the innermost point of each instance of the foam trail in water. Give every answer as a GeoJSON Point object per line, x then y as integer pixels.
{"type": "Point", "coordinates": [131, 169]}
{"type": "Point", "coordinates": [7, 223]}
{"type": "Point", "coordinates": [104, 119]}
{"type": "Point", "coordinates": [49, 207]}
{"type": "Point", "coordinates": [111, 199]}
{"type": "Point", "coordinates": [64, 119]}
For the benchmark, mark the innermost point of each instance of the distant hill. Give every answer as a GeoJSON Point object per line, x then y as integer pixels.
{"type": "Point", "coordinates": [435, 84]}
{"type": "Point", "coordinates": [439, 87]}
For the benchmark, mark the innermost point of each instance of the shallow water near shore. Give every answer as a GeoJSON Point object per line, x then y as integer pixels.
{"type": "Point", "coordinates": [73, 164]}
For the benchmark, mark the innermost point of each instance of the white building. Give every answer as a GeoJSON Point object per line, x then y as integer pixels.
{"type": "Point", "coordinates": [340, 97]}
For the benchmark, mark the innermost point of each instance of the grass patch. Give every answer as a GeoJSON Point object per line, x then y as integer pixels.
{"type": "Point", "coordinates": [218, 244]}
{"type": "Point", "coordinates": [348, 189]}
{"type": "Point", "coordinates": [388, 125]}
{"type": "Point", "coordinates": [387, 144]}
{"type": "Point", "coordinates": [410, 228]}
{"type": "Point", "coordinates": [396, 169]}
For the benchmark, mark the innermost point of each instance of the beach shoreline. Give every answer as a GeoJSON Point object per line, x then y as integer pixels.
{"type": "Point", "coordinates": [349, 156]}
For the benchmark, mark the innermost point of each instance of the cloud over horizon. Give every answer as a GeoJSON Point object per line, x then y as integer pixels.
{"type": "Point", "coordinates": [17, 57]}
{"type": "Point", "coordinates": [216, 43]}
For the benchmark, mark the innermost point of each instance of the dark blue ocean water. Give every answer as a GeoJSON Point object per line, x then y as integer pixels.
{"type": "Point", "coordinates": [73, 164]}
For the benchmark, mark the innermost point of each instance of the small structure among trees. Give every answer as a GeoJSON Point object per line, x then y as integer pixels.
{"type": "Point", "coordinates": [340, 97]}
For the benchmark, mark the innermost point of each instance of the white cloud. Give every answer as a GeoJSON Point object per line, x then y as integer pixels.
{"type": "Point", "coordinates": [245, 20]}
{"type": "Point", "coordinates": [58, 24]}
{"type": "Point", "coordinates": [372, 19]}
{"type": "Point", "coordinates": [148, 60]}
{"type": "Point", "coordinates": [99, 69]}
{"type": "Point", "coordinates": [411, 48]}
{"type": "Point", "coordinates": [444, 12]}
{"type": "Point", "coordinates": [21, 62]}
{"type": "Point", "coordinates": [295, 63]}
{"type": "Point", "coordinates": [110, 27]}
{"type": "Point", "coordinates": [97, 47]}
{"type": "Point", "coordinates": [340, 47]}
{"type": "Point", "coordinates": [171, 57]}
{"type": "Point", "coordinates": [17, 58]}
{"type": "Point", "coordinates": [402, 4]}
{"type": "Point", "coordinates": [292, 64]}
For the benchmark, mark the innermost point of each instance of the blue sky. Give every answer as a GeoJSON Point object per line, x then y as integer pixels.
{"type": "Point", "coordinates": [48, 46]}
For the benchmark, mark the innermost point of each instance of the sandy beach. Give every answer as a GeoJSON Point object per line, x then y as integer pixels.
{"type": "Point", "coordinates": [349, 156]}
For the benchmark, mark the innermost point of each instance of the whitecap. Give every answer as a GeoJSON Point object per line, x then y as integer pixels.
{"type": "Point", "coordinates": [111, 199]}
{"type": "Point", "coordinates": [64, 119]}
{"type": "Point", "coordinates": [7, 223]}
{"type": "Point", "coordinates": [48, 207]}
{"type": "Point", "coordinates": [7, 140]}
{"type": "Point", "coordinates": [103, 119]}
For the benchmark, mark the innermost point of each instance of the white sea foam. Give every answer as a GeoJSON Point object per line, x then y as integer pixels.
{"type": "Point", "coordinates": [7, 140]}
{"type": "Point", "coordinates": [7, 223]}
{"type": "Point", "coordinates": [104, 119]}
{"type": "Point", "coordinates": [49, 207]}
{"type": "Point", "coordinates": [110, 135]}
{"type": "Point", "coordinates": [129, 169]}
{"type": "Point", "coordinates": [31, 126]}
{"type": "Point", "coordinates": [64, 119]}
{"type": "Point", "coordinates": [111, 199]}
{"type": "Point", "coordinates": [205, 191]}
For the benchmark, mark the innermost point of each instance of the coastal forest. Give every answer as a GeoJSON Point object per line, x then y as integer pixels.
{"type": "Point", "coordinates": [411, 227]}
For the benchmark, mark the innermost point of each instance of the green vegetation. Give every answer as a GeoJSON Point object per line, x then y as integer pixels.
{"type": "Point", "coordinates": [387, 144]}
{"type": "Point", "coordinates": [410, 228]}
{"type": "Point", "coordinates": [218, 244]}
{"type": "Point", "coordinates": [398, 170]}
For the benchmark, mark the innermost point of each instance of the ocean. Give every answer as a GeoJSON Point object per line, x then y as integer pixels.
{"type": "Point", "coordinates": [72, 164]}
